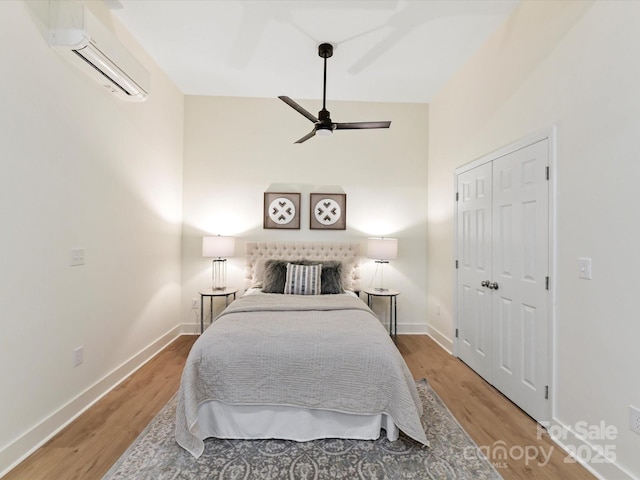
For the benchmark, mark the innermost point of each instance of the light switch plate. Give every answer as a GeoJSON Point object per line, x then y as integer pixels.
{"type": "Point", "coordinates": [584, 268]}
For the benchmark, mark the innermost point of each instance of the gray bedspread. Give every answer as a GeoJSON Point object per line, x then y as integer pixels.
{"type": "Point", "coordinates": [325, 352]}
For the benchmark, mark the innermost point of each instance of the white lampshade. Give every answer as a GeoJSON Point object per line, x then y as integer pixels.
{"type": "Point", "coordinates": [218, 246]}
{"type": "Point", "coordinates": [382, 248]}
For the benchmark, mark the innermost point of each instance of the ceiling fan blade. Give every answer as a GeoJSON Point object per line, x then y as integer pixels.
{"type": "Point", "coordinates": [307, 136]}
{"type": "Point", "coordinates": [297, 107]}
{"type": "Point", "coordinates": [361, 125]}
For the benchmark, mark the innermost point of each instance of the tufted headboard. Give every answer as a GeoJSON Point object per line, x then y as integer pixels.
{"type": "Point", "coordinates": [348, 253]}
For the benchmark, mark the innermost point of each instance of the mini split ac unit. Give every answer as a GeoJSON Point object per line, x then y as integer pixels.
{"type": "Point", "coordinates": [78, 34]}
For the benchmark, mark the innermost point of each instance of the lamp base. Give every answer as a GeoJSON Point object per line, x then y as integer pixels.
{"type": "Point", "coordinates": [219, 274]}
{"type": "Point", "coordinates": [378, 276]}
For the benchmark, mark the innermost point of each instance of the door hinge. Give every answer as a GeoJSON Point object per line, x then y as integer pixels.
{"type": "Point", "coordinates": [456, 264]}
{"type": "Point", "coordinates": [546, 283]}
{"type": "Point", "coordinates": [547, 173]}
{"type": "Point", "coordinates": [456, 333]}
{"type": "Point", "coordinates": [457, 196]}
{"type": "Point", "coordinates": [546, 392]}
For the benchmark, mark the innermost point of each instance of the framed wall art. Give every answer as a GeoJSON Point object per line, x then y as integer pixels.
{"type": "Point", "coordinates": [281, 210]}
{"type": "Point", "coordinates": [328, 211]}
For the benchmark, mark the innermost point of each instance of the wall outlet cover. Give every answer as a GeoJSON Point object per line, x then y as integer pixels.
{"type": "Point", "coordinates": [634, 419]}
{"type": "Point", "coordinates": [78, 356]}
{"type": "Point", "coordinates": [76, 257]}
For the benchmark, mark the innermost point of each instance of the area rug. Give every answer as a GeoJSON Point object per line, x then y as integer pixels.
{"type": "Point", "coordinates": [452, 454]}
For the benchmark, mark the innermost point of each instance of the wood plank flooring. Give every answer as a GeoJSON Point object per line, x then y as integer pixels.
{"type": "Point", "coordinates": [488, 416]}
{"type": "Point", "coordinates": [88, 447]}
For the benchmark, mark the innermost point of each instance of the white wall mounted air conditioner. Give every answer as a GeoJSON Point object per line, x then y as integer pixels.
{"type": "Point", "coordinates": [80, 36]}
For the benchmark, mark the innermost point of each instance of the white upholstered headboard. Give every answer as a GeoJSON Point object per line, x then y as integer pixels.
{"type": "Point", "coordinates": [349, 253]}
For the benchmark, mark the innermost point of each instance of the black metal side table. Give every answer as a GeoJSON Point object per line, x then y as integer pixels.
{"type": "Point", "coordinates": [211, 293]}
{"type": "Point", "coordinates": [392, 295]}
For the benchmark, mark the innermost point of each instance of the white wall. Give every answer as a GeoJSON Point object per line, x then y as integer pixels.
{"type": "Point", "coordinates": [238, 148]}
{"type": "Point", "coordinates": [79, 169]}
{"type": "Point", "coordinates": [573, 65]}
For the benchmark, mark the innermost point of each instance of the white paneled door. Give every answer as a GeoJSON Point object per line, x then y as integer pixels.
{"type": "Point", "coordinates": [474, 310]}
{"type": "Point", "coordinates": [503, 274]}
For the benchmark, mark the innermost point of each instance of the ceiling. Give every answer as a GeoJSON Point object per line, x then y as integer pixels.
{"type": "Point", "coordinates": [385, 51]}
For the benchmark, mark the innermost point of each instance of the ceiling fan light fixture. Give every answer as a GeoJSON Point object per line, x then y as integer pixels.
{"type": "Point", "coordinates": [324, 131]}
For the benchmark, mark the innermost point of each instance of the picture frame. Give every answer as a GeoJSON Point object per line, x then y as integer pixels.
{"type": "Point", "coordinates": [281, 210]}
{"type": "Point", "coordinates": [328, 211]}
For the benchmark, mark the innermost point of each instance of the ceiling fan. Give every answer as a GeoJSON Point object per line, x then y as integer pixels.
{"type": "Point", "coordinates": [323, 125]}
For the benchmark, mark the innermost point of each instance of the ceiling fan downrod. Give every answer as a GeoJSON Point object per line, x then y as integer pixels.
{"type": "Point", "coordinates": [325, 50]}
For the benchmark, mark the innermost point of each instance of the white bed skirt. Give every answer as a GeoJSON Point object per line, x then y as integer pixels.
{"type": "Point", "coordinates": [219, 420]}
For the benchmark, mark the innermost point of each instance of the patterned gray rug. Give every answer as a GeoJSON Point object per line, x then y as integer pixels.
{"type": "Point", "coordinates": [452, 455]}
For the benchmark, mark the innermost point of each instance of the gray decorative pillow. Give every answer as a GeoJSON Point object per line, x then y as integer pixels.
{"type": "Point", "coordinates": [275, 275]}
{"type": "Point", "coordinates": [331, 278]}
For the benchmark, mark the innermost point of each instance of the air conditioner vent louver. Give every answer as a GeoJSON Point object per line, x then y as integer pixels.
{"type": "Point", "coordinates": [108, 71]}
{"type": "Point", "coordinates": [77, 34]}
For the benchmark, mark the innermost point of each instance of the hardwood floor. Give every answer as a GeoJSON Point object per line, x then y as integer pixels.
{"type": "Point", "coordinates": [88, 447]}
{"type": "Point", "coordinates": [488, 416]}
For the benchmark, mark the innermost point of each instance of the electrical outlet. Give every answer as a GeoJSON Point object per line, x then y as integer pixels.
{"type": "Point", "coordinates": [194, 303]}
{"type": "Point", "coordinates": [78, 355]}
{"type": "Point", "coordinates": [76, 257]}
{"type": "Point", "coordinates": [634, 419]}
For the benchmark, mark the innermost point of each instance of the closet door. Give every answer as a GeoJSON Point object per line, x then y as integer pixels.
{"type": "Point", "coordinates": [502, 270]}
{"type": "Point", "coordinates": [520, 268]}
{"type": "Point", "coordinates": [474, 268]}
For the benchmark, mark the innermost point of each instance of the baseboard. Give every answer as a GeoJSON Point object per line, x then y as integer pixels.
{"type": "Point", "coordinates": [189, 328]}
{"type": "Point", "coordinates": [26, 444]}
{"type": "Point", "coordinates": [412, 329]}
{"type": "Point", "coordinates": [440, 339]}
{"type": "Point", "coordinates": [586, 454]}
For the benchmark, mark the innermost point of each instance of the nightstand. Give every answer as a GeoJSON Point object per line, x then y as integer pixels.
{"type": "Point", "coordinates": [211, 293]}
{"type": "Point", "coordinates": [392, 295]}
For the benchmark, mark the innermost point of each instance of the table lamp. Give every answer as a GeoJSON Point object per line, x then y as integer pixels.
{"type": "Point", "coordinates": [218, 248]}
{"type": "Point", "coordinates": [382, 250]}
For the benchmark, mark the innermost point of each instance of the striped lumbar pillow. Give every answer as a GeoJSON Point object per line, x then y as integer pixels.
{"type": "Point", "coordinates": [303, 279]}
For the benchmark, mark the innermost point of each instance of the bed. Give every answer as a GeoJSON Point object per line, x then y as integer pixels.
{"type": "Point", "coordinates": [314, 362]}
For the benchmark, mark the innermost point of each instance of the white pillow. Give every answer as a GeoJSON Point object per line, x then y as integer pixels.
{"type": "Point", "coordinates": [258, 272]}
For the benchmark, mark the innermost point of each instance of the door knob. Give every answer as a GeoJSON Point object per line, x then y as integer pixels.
{"type": "Point", "coordinates": [485, 283]}
{"type": "Point", "coordinates": [493, 285]}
